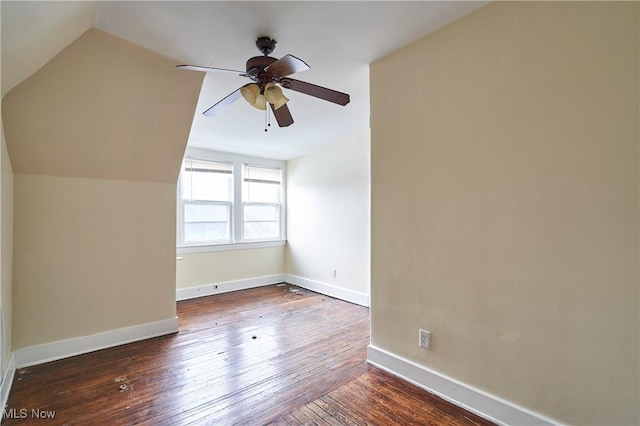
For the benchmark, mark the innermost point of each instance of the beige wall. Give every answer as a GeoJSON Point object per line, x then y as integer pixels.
{"type": "Point", "coordinates": [6, 247]}
{"type": "Point", "coordinates": [6, 244]}
{"type": "Point", "coordinates": [90, 255]}
{"type": "Point", "coordinates": [197, 269]}
{"type": "Point", "coordinates": [96, 139]}
{"type": "Point", "coordinates": [505, 205]}
{"type": "Point", "coordinates": [328, 214]}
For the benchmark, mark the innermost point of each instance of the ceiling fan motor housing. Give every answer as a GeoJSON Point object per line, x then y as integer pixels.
{"type": "Point", "coordinates": [256, 66]}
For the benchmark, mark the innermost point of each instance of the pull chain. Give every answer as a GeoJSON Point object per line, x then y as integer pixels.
{"type": "Point", "coordinates": [267, 119]}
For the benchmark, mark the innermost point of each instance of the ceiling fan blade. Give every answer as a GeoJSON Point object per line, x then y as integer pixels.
{"type": "Point", "coordinates": [316, 91]}
{"type": "Point", "coordinates": [282, 115]}
{"type": "Point", "coordinates": [224, 102]}
{"type": "Point", "coordinates": [285, 66]}
{"type": "Point", "coordinates": [207, 69]}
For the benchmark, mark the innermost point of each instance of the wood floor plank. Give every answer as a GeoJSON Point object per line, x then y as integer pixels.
{"type": "Point", "coordinates": [346, 412]}
{"type": "Point", "coordinates": [267, 355]}
{"type": "Point", "coordinates": [338, 414]}
{"type": "Point", "coordinates": [324, 415]}
{"type": "Point", "coordinates": [291, 419]}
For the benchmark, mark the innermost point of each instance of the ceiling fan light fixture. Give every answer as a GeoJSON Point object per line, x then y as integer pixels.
{"type": "Point", "coordinates": [273, 94]}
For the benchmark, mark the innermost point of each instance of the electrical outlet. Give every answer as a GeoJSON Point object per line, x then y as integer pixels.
{"type": "Point", "coordinates": [424, 339]}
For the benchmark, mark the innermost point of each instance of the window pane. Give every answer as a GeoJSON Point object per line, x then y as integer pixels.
{"type": "Point", "coordinates": [260, 213]}
{"type": "Point", "coordinates": [261, 230]}
{"type": "Point", "coordinates": [261, 184]}
{"type": "Point", "coordinates": [200, 232]}
{"type": "Point", "coordinates": [206, 186]}
{"type": "Point", "coordinates": [206, 213]}
{"type": "Point", "coordinates": [261, 192]}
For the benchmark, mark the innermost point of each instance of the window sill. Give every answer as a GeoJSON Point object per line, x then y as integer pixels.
{"type": "Point", "coordinates": [207, 248]}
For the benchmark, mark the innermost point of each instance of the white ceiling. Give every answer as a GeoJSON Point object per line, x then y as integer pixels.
{"type": "Point", "coordinates": [337, 39]}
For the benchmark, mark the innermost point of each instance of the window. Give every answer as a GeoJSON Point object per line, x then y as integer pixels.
{"type": "Point", "coordinates": [261, 202]}
{"type": "Point", "coordinates": [206, 200]}
{"type": "Point", "coordinates": [228, 201]}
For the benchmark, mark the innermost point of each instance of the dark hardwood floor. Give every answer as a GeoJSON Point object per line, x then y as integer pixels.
{"type": "Point", "coordinates": [271, 355]}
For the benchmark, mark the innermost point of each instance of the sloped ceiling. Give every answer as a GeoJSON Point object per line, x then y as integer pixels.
{"type": "Point", "coordinates": [101, 108]}
{"type": "Point", "coordinates": [337, 39]}
{"type": "Point", "coordinates": [34, 32]}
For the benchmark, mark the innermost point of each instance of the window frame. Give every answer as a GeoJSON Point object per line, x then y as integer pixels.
{"type": "Point", "coordinates": [236, 205]}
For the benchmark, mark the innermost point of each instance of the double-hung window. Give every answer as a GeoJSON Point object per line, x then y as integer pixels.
{"type": "Point", "coordinates": [228, 201]}
{"type": "Point", "coordinates": [206, 202]}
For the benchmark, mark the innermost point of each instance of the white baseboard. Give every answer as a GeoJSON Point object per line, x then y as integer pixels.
{"type": "Point", "coordinates": [243, 284]}
{"type": "Point", "coordinates": [485, 405]}
{"type": "Point", "coordinates": [46, 352]}
{"type": "Point", "coordinates": [328, 289]}
{"type": "Point", "coordinates": [227, 286]}
{"type": "Point", "coordinates": [7, 380]}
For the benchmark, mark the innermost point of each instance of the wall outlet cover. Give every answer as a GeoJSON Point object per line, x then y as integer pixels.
{"type": "Point", "coordinates": [424, 337]}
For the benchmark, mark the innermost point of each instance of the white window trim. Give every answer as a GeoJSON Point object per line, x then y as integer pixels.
{"type": "Point", "coordinates": [245, 245]}
{"type": "Point", "coordinates": [237, 161]}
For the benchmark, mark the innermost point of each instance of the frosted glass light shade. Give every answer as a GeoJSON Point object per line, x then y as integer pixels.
{"type": "Point", "coordinates": [273, 94]}
{"type": "Point", "coordinates": [251, 93]}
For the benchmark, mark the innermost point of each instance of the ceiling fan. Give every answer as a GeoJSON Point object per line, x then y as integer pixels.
{"type": "Point", "coordinates": [268, 74]}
